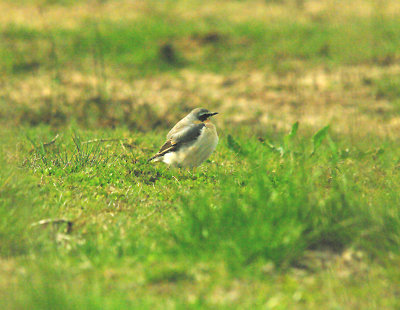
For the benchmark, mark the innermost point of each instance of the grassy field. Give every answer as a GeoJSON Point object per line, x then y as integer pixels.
{"type": "Point", "coordinates": [299, 206]}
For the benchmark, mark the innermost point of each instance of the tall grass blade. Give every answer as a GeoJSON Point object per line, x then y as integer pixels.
{"type": "Point", "coordinates": [318, 137]}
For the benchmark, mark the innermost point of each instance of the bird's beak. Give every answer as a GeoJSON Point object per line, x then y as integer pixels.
{"type": "Point", "coordinates": [212, 114]}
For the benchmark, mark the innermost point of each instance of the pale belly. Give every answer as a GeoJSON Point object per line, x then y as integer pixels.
{"type": "Point", "coordinates": [195, 154]}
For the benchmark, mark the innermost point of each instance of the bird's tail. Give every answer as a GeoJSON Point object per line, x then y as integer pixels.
{"type": "Point", "coordinates": [155, 158]}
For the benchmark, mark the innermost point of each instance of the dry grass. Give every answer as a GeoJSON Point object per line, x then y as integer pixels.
{"type": "Point", "coordinates": [345, 97]}
{"type": "Point", "coordinates": [73, 15]}
{"type": "Point", "coordinates": [42, 16]}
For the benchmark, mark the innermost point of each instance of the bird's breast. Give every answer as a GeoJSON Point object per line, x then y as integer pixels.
{"type": "Point", "coordinates": [197, 152]}
{"type": "Point", "coordinates": [207, 140]}
{"type": "Point", "coordinates": [209, 132]}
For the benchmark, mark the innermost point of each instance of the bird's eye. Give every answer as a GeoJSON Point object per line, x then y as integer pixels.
{"type": "Point", "coordinates": [203, 117]}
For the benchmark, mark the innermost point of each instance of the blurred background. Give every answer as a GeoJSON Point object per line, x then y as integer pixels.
{"type": "Point", "coordinates": [143, 64]}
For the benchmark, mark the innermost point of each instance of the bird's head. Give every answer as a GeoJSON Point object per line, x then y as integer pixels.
{"type": "Point", "coordinates": [201, 114]}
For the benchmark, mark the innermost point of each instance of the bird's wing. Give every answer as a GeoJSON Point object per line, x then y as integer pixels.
{"type": "Point", "coordinates": [179, 127]}
{"type": "Point", "coordinates": [178, 138]}
{"type": "Point", "coordinates": [166, 147]}
{"type": "Point", "coordinates": [186, 134]}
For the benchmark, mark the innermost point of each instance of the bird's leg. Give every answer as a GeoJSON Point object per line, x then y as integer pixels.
{"type": "Point", "coordinates": [168, 168]}
{"type": "Point", "coordinates": [179, 172]}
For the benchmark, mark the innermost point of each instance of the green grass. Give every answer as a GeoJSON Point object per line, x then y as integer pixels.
{"type": "Point", "coordinates": [145, 226]}
{"type": "Point", "coordinates": [307, 218]}
{"type": "Point", "coordinates": [137, 46]}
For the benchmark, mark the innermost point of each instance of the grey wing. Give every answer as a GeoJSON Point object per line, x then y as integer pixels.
{"type": "Point", "coordinates": [186, 134]}
{"type": "Point", "coordinates": [179, 126]}
{"type": "Point", "coordinates": [167, 147]}
{"type": "Point", "coordinates": [178, 137]}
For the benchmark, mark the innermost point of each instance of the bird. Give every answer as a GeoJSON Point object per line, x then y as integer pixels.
{"type": "Point", "coordinates": [190, 142]}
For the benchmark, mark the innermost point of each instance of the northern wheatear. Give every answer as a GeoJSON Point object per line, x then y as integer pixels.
{"type": "Point", "coordinates": [190, 142]}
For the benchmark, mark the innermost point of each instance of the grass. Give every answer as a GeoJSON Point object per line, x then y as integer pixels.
{"type": "Point", "coordinates": [131, 44]}
{"type": "Point", "coordinates": [211, 45]}
{"type": "Point", "coordinates": [148, 227]}
{"type": "Point", "coordinates": [298, 207]}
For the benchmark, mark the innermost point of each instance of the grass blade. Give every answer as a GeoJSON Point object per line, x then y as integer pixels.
{"type": "Point", "coordinates": [318, 137]}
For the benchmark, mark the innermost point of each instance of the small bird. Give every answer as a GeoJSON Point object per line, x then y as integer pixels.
{"type": "Point", "coordinates": [190, 142]}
